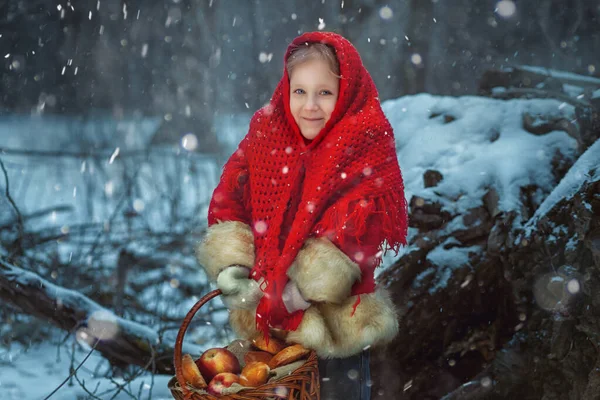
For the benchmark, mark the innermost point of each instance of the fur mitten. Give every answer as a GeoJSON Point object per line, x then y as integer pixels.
{"type": "Point", "coordinates": [239, 292]}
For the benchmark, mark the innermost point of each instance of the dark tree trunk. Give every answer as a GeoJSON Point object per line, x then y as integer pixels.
{"type": "Point", "coordinates": [524, 322]}
{"type": "Point", "coordinates": [129, 344]}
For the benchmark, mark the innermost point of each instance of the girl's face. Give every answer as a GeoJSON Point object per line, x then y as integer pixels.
{"type": "Point", "coordinates": [313, 94]}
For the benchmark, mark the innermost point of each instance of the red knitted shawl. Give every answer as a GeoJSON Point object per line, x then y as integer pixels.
{"type": "Point", "coordinates": [289, 189]}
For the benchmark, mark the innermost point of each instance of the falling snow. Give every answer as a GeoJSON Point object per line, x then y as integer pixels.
{"type": "Point", "coordinates": [161, 88]}
{"type": "Point", "coordinates": [321, 25]}
{"type": "Point", "coordinates": [506, 8]}
{"type": "Point", "coordinates": [386, 12]}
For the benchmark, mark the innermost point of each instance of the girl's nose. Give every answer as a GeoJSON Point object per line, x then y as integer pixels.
{"type": "Point", "coordinates": [311, 103]}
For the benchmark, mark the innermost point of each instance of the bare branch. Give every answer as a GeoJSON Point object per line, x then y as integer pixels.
{"type": "Point", "coordinates": [19, 240]}
{"type": "Point", "coordinates": [545, 23]}
{"type": "Point", "coordinates": [73, 372]}
{"type": "Point", "coordinates": [577, 23]}
{"type": "Point", "coordinates": [97, 154]}
{"type": "Point", "coordinates": [38, 214]}
{"type": "Point", "coordinates": [530, 93]}
{"type": "Point", "coordinates": [131, 343]}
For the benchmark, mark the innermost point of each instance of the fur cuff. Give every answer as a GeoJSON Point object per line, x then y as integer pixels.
{"type": "Point", "coordinates": [243, 323]}
{"type": "Point", "coordinates": [323, 273]}
{"type": "Point", "coordinates": [333, 332]}
{"type": "Point", "coordinates": [226, 243]}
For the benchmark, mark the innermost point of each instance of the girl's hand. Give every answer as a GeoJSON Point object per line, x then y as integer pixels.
{"type": "Point", "coordinates": [239, 292]}
{"type": "Point", "coordinates": [292, 298]}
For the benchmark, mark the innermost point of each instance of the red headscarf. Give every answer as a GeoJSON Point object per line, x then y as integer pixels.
{"type": "Point", "coordinates": [289, 190]}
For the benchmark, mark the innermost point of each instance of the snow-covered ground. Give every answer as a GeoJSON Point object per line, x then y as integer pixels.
{"type": "Point", "coordinates": [475, 143]}
{"type": "Point", "coordinates": [35, 372]}
{"type": "Point", "coordinates": [483, 146]}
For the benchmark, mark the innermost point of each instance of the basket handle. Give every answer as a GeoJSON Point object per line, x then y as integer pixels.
{"type": "Point", "coordinates": [179, 341]}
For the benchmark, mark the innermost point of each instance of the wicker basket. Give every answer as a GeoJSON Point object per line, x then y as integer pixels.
{"type": "Point", "coordinates": [302, 384]}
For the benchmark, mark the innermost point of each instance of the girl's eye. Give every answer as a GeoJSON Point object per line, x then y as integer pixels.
{"type": "Point", "coordinates": [326, 92]}
{"type": "Point", "coordinates": [299, 91]}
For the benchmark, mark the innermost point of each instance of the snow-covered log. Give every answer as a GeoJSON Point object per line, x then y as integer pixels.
{"type": "Point", "coordinates": [504, 225]}
{"type": "Point", "coordinates": [582, 92]}
{"type": "Point", "coordinates": [504, 322]}
{"type": "Point", "coordinates": [120, 341]}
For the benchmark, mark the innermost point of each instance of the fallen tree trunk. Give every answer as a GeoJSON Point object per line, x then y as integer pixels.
{"type": "Point", "coordinates": [517, 315]}
{"type": "Point", "coordinates": [534, 82]}
{"type": "Point", "coordinates": [120, 341]}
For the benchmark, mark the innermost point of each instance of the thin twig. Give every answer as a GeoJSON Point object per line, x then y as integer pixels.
{"type": "Point", "coordinates": [97, 154]}
{"type": "Point", "coordinates": [73, 372]}
{"type": "Point", "coordinates": [121, 388]}
{"type": "Point", "coordinates": [538, 93]}
{"type": "Point", "coordinates": [543, 14]}
{"type": "Point", "coordinates": [573, 29]}
{"type": "Point", "coordinates": [72, 359]}
{"type": "Point", "coordinates": [14, 206]}
{"type": "Point", "coordinates": [40, 213]}
{"type": "Point", "coordinates": [82, 384]}
{"type": "Point", "coordinates": [153, 359]}
{"type": "Point", "coordinates": [138, 373]}
{"type": "Point", "coordinates": [549, 255]}
{"type": "Point", "coordinates": [114, 214]}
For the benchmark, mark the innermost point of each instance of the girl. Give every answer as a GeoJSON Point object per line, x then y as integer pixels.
{"type": "Point", "coordinates": [303, 211]}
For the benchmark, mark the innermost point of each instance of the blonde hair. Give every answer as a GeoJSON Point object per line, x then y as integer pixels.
{"type": "Point", "coordinates": [313, 51]}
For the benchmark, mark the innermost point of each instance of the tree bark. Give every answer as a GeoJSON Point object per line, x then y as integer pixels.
{"type": "Point", "coordinates": [120, 341]}
{"type": "Point", "coordinates": [518, 320]}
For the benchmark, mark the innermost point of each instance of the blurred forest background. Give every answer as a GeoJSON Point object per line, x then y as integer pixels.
{"type": "Point", "coordinates": [191, 61]}
{"type": "Point", "coordinates": [115, 119]}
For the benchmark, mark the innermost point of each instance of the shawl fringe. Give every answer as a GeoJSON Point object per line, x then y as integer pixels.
{"type": "Point", "coordinates": [388, 212]}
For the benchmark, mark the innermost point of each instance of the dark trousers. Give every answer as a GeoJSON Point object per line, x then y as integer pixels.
{"type": "Point", "coordinates": [346, 378]}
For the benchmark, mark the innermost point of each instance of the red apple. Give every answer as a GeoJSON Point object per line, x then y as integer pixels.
{"type": "Point", "coordinates": [222, 381]}
{"type": "Point", "coordinates": [216, 360]}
